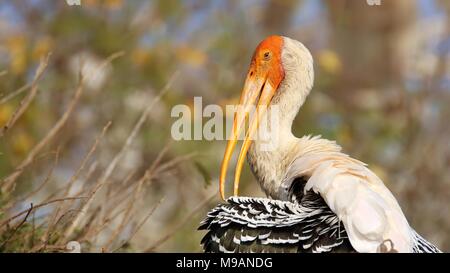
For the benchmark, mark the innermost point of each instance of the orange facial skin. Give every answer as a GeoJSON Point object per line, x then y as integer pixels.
{"type": "Point", "coordinates": [271, 66]}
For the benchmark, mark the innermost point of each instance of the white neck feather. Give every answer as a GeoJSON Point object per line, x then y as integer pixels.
{"type": "Point", "coordinates": [297, 83]}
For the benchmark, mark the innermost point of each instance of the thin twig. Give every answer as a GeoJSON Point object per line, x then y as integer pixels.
{"type": "Point", "coordinates": [87, 228]}
{"type": "Point", "coordinates": [14, 94]}
{"type": "Point", "coordinates": [39, 206]}
{"type": "Point", "coordinates": [147, 176]}
{"type": "Point", "coordinates": [72, 180]}
{"type": "Point", "coordinates": [39, 188]}
{"type": "Point", "coordinates": [47, 178]}
{"type": "Point", "coordinates": [140, 224]}
{"type": "Point", "coordinates": [172, 163]}
{"type": "Point", "coordinates": [87, 157]}
{"type": "Point", "coordinates": [33, 230]}
{"type": "Point", "coordinates": [9, 182]}
{"type": "Point", "coordinates": [87, 176]}
{"type": "Point", "coordinates": [127, 214]}
{"type": "Point", "coordinates": [18, 226]}
{"type": "Point", "coordinates": [124, 184]}
{"type": "Point", "coordinates": [102, 226]}
{"type": "Point", "coordinates": [180, 225]}
{"type": "Point", "coordinates": [28, 99]}
{"type": "Point", "coordinates": [48, 235]}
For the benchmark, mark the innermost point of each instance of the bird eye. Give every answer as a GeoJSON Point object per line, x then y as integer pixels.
{"type": "Point", "coordinates": [267, 55]}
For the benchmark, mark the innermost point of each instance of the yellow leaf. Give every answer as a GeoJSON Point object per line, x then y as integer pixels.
{"type": "Point", "coordinates": [110, 4]}
{"type": "Point", "coordinates": [330, 62]}
{"type": "Point", "coordinates": [140, 56]}
{"type": "Point", "coordinates": [22, 143]}
{"type": "Point", "coordinates": [17, 50]}
{"type": "Point", "coordinates": [6, 111]}
{"type": "Point", "coordinates": [114, 4]}
{"type": "Point", "coordinates": [191, 56]}
{"type": "Point", "coordinates": [43, 46]}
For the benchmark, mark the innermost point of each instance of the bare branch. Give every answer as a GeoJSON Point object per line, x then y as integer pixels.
{"type": "Point", "coordinates": [166, 166]}
{"type": "Point", "coordinates": [9, 182]}
{"type": "Point", "coordinates": [181, 224]}
{"type": "Point", "coordinates": [13, 203]}
{"type": "Point", "coordinates": [14, 94]}
{"type": "Point", "coordinates": [39, 206]}
{"type": "Point", "coordinates": [18, 226]}
{"type": "Point", "coordinates": [141, 224]}
{"type": "Point", "coordinates": [46, 180]}
{"type": "Point", "coordinates": [28, 99]}
{"type": "Point", "coordinates": [80, 169]}
{"type": "Point", "coordinates": [127, 214]}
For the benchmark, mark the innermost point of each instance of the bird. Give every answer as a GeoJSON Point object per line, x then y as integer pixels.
{"type": "Point", "coordinates": [319, 199]}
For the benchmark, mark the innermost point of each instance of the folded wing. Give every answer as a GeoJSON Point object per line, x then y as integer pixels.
{"type": "Point", "coordinates": [262, 225]}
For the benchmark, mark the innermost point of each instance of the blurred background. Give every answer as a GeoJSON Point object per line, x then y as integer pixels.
{"type": "Point", "coordinates": [381, 90]}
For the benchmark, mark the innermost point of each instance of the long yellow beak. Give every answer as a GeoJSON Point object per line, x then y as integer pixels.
{"type": "Point", "coordinates": [256, 85]}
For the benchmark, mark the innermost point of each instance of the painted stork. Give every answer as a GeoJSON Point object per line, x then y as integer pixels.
{"type": "Point", "coordinates": [319, 199]}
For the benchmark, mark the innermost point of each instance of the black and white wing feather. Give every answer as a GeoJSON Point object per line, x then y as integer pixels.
{"type": "Point", "coordinates": [246, 224]}
{"type": "Point", "coordinates": [423, 246]}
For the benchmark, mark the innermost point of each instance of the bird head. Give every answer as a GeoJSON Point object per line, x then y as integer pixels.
{"type": "Point", "coordinates": [275, 59]}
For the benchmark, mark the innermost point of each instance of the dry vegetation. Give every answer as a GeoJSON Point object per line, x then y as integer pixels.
{"type": "Point", "coordinates": [103, 211]}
